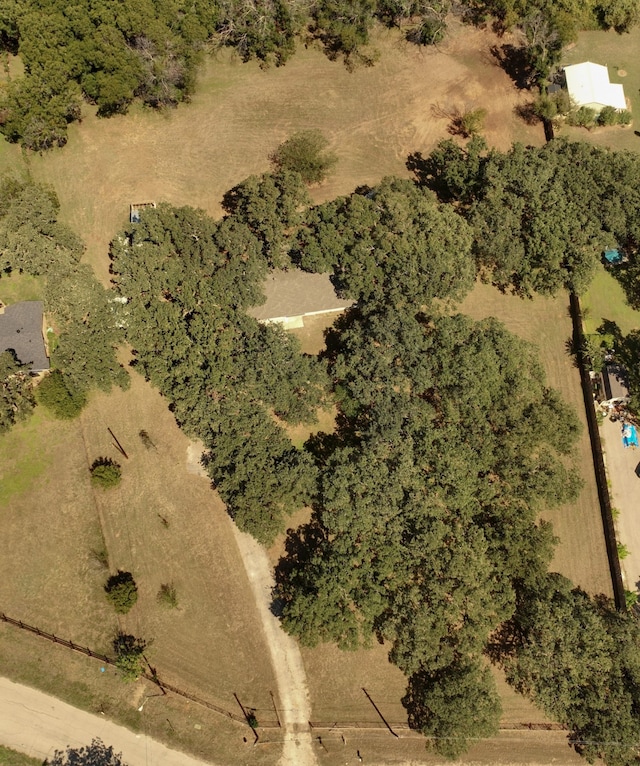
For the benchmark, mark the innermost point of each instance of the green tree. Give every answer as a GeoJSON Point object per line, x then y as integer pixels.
{"type": "Point", "coordinates": [105, 473]}
{"type": "Point", "coordinates": [61, 399]}
{"type": "Point", "coordinates": [305, 153]}
{"type": "Point", "coordinates": [129, 658]}
{"type": "Point", "coordinates": [121, 591]}
{"type": "Point", "coordinates": [167, 596]}
{"type": "Point", "coordinates": [394, 243]}
{"type": "Point", "coordinates": [95, 754]}
{"type": "Point", "coordinates": [16, 391]}
{"type": "Point", "coordinates": [454, 706]}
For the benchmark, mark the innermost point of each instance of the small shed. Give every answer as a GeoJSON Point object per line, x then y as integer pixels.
{"type": "Point", "coordinates": [588, 85]}
{"type": "Point", "coordinates": [21, 330]}
{"type": "Point", "coordinates": [615, 385]}
{"type": "Point", "coordinates": [293, 295]}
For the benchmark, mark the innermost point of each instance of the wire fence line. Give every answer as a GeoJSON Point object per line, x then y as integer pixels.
{"type": "Point", "coordinates": [399, 728]}
{"type": "Point", "coordinates": [153, 677]}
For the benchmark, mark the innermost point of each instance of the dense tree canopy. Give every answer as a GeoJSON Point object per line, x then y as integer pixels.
{"type": "Point", "coordinates": [578, 659]}
{"type": "Point", "coordinates": [394, 243]}
{"type": "Point", "coordinates": [187, 281]}
{"type": "Point", "coordinates": [112, 53]}
{"type": "Point", "coordinates": [95, 754]}
{"type": "Point", "coordinates": [16, 391]}
{"type": "Point", "coordinates": [541, 216]}
{"type": "Point", "coordinates": [33, 241]}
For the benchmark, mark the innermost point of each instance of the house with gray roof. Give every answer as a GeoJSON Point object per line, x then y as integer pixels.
{"type": "Point", "coordinates": [293, 295]}
{"type": "Point", "coordinates": [21, 331]}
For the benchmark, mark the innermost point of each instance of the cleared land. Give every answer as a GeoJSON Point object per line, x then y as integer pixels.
{"type": "Point", "coordinates": [374, 118]}
{"type": "Point", "coordinates": [162, 524]}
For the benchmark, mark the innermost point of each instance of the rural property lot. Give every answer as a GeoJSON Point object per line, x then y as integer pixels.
{"type": "Point", "coordinates": [374, 118]}
{"type": "Point", "coordinates": [212, 645]}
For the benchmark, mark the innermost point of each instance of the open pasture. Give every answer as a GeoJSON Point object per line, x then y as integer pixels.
{"type": "Point", "coordinates": [374, 118]}
{"type": "Point", "coordinates": [62, 537]}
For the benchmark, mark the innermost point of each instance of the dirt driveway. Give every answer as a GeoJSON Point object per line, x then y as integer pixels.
{"type": "Point", "coordinates": [622, 463]}
{"type": "Point", "coordinates": [38, 724]}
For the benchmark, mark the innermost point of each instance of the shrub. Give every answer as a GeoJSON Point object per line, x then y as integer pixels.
{"type": "Point", "coordinates": [167, 596]}
{"type": "Point", "coordinates": [631, 598]}
{"type": "Point", "coordinates": [583, 117]}
{"type": "Point", "coordinates": [623, 551]}
{"type": "Point", "coordinates": [470, 123]}
{"type": "Point", "coordinates": [608, 116]}
{"type": "Point", "coordinates": [122, 591]}
{"type": "Point", "coordinates": [105, 472]}
{"type": "Point", "coordinates": [59, 397]}
{"type": "Point", "coordinates": [129, 652]}
{"type": "Point", "coordinates": [304, 153]}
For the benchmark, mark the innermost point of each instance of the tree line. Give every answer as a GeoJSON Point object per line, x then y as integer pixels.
{"type": "Point", "coordinates": [110, 54]}
{"type": "Point", "coordinates": [81, 312]}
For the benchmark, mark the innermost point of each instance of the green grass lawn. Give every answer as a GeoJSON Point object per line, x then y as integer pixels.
{"type": "Point", "coordinates": [619, 53]}
{"type": "Point", "coordinates": [605, 299]}
{"type": "Point", "coordinates": [13, 758]}
{"type": "Point", "coordinates": [23, 456]}
{"type": "Point", "coordinates": [20, 287]}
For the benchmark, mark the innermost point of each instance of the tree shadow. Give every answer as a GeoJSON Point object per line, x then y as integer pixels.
{"type": "Point", "coordinates": [514, 61]}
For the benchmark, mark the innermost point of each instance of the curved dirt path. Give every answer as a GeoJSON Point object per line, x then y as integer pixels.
{"type": "Point", "coordinates": [37, 724]}
{"type": "Point", "coordinates": [295, 708]}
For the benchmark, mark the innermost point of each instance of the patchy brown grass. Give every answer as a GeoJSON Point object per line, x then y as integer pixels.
{"type": "Point", "coordinates": [373, 118]}
{"type": "Point", "coordinates": [51, 577]}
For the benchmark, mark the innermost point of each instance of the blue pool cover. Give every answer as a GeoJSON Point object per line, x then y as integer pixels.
{"type": "Point", "coordinates": [612, 256]}
{"type": "Point", "coordinates": [629, 435]}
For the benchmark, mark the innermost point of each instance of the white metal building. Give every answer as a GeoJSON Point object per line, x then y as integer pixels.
{"type": "Point", "coordinates": [588, 85]}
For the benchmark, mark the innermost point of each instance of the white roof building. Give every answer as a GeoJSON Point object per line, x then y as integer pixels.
{"type": "Point", "coordinates": [588, 85]}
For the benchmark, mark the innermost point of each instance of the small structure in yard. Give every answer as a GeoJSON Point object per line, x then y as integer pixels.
{"type": "Point", "coordinates": [588, 85]}
{"type": "Point", "coordinates": [21, 331]}
{"type": "Point", "coordinates": [613, 256]}
{"type": "Point", "coordinates": [614, 387]}
{"type": "Point", "coordinates": [629, 435]}
{"type": "Point", "coordinates": [293, 295]}
{"type": "Point", "coordinates": [136, 208]}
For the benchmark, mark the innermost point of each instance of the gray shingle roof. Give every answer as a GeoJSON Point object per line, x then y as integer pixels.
{"type": "Point", "coordinates": [21, 330]}
{"type": "Point", "coordinates": [297, 293]}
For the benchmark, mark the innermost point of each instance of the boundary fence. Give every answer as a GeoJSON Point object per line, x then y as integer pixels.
{"type": "Point", "coordinates": [598, 459]}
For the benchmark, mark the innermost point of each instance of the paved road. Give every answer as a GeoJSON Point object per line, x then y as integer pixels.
{"type": "Point", "coordinates": [625, 496]}
{"type": "Point", "coordinates": [38, 724]}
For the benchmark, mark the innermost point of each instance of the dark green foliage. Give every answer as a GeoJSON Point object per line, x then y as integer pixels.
{"type": "Point", "coordinates": [59, 396]}
{"type": "Point", "coordinates": [455, 706]}
{"type": "Point", "coordinates": [16, 391]}
{"type": "Point", "coordinates": [305, 153]}
{"type": "Point", "coordinates": [272, 206]}
{"type": "Point", "coordinates": [426, 518]}
{"type": "Point", "coordinates": [105, 473]}
{"type": "Point", "coordinates": [577, 658]}
{"type": "Point", "coordinates": [188, 281]}
{"type": "Point", "coordinates": [121, 591]}
{"type": "Point", "coordinates": [541, 216]}
{"type": "Point", "coordinates": [109, 53]}
{"type": "Point", "coordinates": [394, 244]}
{"type": "Point", "coordinates": [584, 117]}
{"type": "Point", "coordinates": [609, 115]}
{"type": "Point", "coordinates": [95, 754]}
{"type": "Point", "coordinates": [129, 652]}
{"type": "Point", "coordinates": [343, 27]}
{"type": "Point", "coordinates": [33, 241]}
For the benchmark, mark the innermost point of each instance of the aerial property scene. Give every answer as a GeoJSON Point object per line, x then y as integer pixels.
{"type": "Point", "coordinates": [320, 368]}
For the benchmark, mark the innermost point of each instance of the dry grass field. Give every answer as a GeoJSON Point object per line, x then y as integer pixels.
{"type": "Point", "coordinates": [374, 118]}
{"type": "Point", "coordinates": [164, 525]}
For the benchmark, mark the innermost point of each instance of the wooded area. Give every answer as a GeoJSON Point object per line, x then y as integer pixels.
{"type": "Point", "coordinates": [111, 54]}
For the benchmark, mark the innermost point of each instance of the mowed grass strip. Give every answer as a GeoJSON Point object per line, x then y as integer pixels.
{"type": "Point", "coordinates": [619, 53]}
{"type": "Point", "coordinates": [605, 300]}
